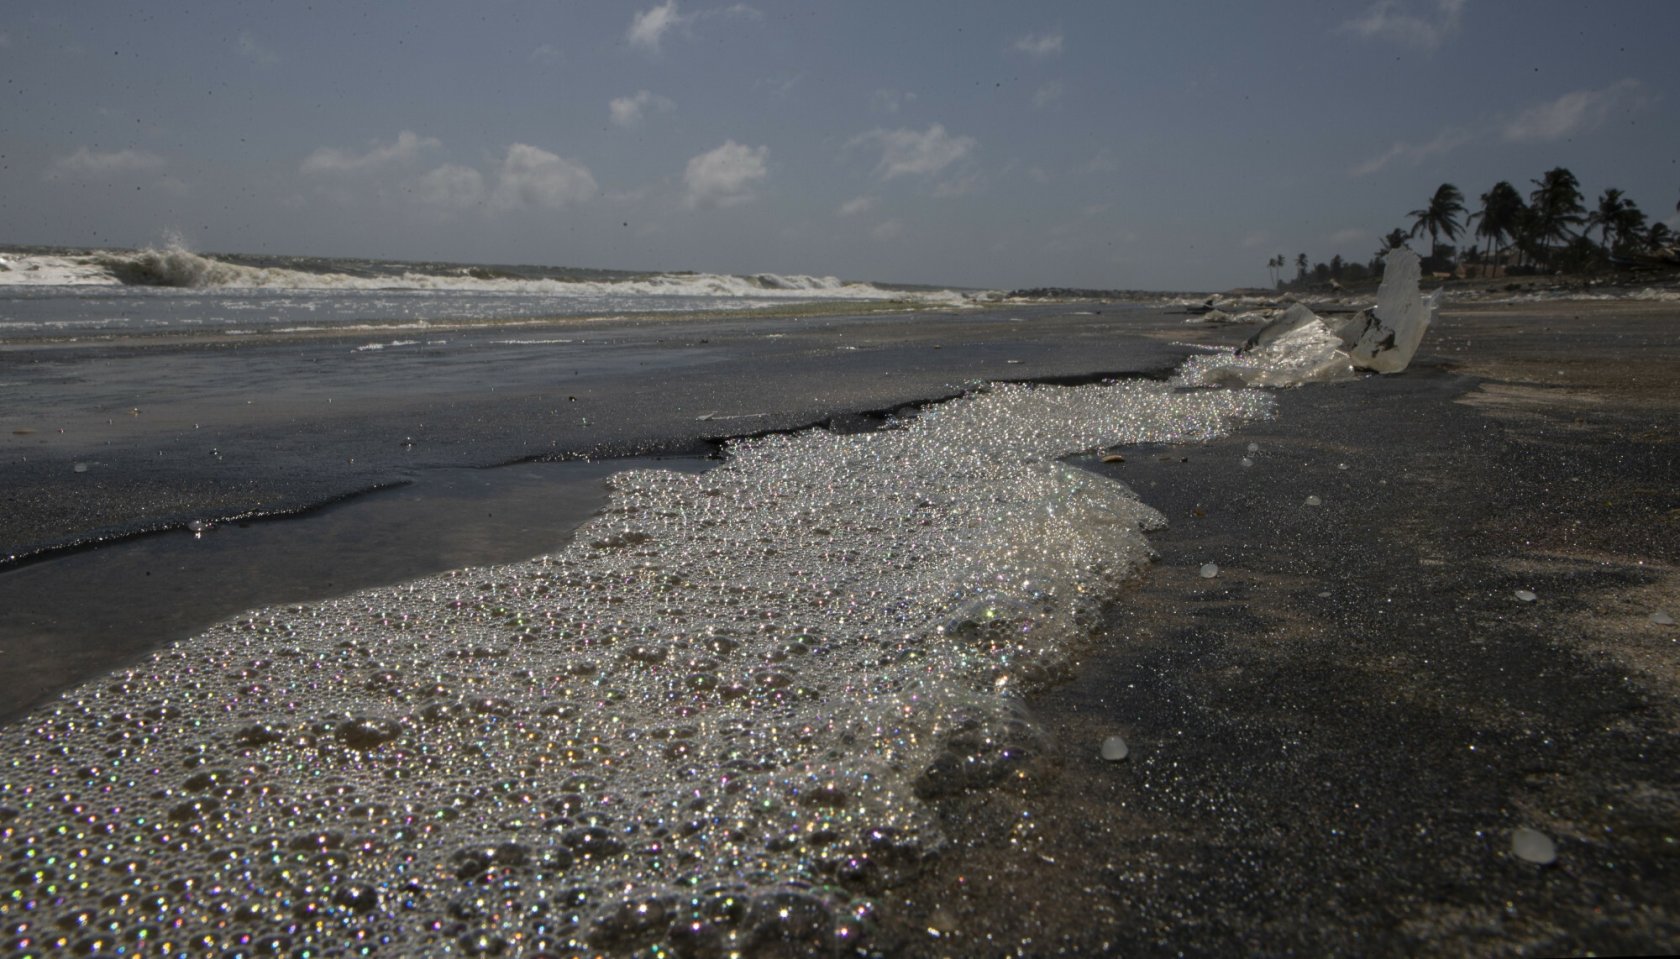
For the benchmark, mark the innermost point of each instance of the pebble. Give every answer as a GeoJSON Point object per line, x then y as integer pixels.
{"type": "Point", "coordinates": [1210, 570]}
{"type": "Point", "coordinates": [1114, 749]}
{"type": "Point", "coordinates": [1526, 596]}
{"type": "Point", "coordinates": [1532, 845]}
{"type": "Point", "coordinates": [1314, 501]}
{"type": "Point", "coordinates": [1245, 462]}
{"type": "Point", "coordinates": [1661, 618]}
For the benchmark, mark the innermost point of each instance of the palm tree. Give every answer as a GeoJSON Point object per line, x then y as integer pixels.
{"type": "Point", "coordinates": [1556, 202]}
{"type": "Point", "coordinates": [1395, 239]}
{"type": "Point", "coordinates": [1301, 268]}
{"type": "Point", "coordinates": [1658, 236]}
{"type": "Point", "coordinates": [1440, 216]}
{"type": "Point", "coordinates": [1500, 216]}
{"type": "Point", "coordinates": [1612, 208]}
{"type": "Point", "coordinates": [1630, 223]}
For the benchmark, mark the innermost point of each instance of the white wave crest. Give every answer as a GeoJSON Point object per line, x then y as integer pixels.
{"type": "Point", "coordinates": [174, 266]}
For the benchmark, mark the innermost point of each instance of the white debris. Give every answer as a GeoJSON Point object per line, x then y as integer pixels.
{"type": "Point", "coordinates": [1532, 845]}
{"type": "Point", "coordinates": [1391, 332]}
{"type": "Point", "coordinates": [1114, 749]}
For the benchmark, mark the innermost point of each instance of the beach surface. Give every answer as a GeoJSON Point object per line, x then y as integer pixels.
{"type": "Point", "coordinates": [1434, 620]}
{"type": "Point", "coordinates": [1334, 741]}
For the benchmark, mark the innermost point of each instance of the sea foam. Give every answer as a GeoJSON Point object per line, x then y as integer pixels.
{"type": "Point", "coordinates": [173, 266]}
{"type": "Point", "coordinates": [717, 723]}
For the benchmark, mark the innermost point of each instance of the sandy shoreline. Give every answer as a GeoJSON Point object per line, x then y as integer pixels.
{"type": "Point", "coordinates": [1333, 740]}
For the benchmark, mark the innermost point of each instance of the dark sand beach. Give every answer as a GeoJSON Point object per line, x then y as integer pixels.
{"type": "Point", "coordinates": [1331, 741]}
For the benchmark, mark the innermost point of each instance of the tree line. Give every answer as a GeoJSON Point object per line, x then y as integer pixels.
{"type": "Point", "coordinates": [1552, 231]}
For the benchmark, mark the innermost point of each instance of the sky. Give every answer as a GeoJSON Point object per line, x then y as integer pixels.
{"type": "Point", "coordinates": [974, 143]}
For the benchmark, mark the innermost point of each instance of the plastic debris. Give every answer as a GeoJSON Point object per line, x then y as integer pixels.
{"type": "Point", "coordinates": [1114, 749]}
{"type": "Point", "coordinates": [1532, 845]}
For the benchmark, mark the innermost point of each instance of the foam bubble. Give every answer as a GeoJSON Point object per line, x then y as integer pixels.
{"type": "Point", "coordinates": [718, 720]}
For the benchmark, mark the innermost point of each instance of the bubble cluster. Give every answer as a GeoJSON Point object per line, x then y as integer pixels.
{"type": "Point", "coordinates": [714, 724]}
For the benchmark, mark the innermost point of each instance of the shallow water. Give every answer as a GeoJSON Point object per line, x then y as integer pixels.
{"type": "Point", "coordinates": [138, 594]}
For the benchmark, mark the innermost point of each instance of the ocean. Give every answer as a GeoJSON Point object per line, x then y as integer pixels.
{"type": "Point", "coordinates": [718, 718]}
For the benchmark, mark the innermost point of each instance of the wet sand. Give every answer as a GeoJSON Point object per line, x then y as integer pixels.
{"type": "Point", "coordinates": [1332, 740]}
{"type": "Point", "coordinates": [104, 438]}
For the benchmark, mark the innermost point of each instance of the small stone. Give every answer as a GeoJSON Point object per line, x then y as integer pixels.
{"type": "Point", "coordinates": [1245, 462]}
{"type": "Point", "coordinates": [1314, 501]}
{"type": "Point", "coordinates": [1532, 845]}
{"type": "Point", "coordinates": [1526, 596]}
{"type": "Point", "coordinates": [1341, 466]}
{"type": "Point", "coordinates": [1210, 570]}
{"type": "Point", "coordinates": [1661, 618]}
{"type": "Point", "coordinates": [1114, 749]}
{"type": "Point", "coordinates": [79, 468]}
{"type": "Point", "coordinates": [1254, 447]}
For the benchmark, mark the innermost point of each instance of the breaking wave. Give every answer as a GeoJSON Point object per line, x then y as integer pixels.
{"type": "Point", "coordinates": [174, 266]}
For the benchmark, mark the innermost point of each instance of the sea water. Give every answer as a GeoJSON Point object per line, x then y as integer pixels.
{"type": "Point", "coordinates": [171, 290]}
{"type": "Point", "coordinates": [716, 723]}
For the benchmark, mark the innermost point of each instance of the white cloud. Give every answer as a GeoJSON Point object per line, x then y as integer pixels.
{"type": "Point", "coordinates": [906, 151]}
{"type": "Point", "coordinates": [533, 178]}
{"type": "Point", "coordinates": [1445, 142]}
{"type": "Point", "coordinates": [1048, 94]}
{"type": "Point", "coordinates": [1573, 113]}
{"type": "Point", "coordinates": [255, 52]}
{"type": "Point", "coordinates": [405, 149]}
{"type": "Point", "coordinates": [631, 111]}
{"type": "Point", "coordinates": [724, 177]}
{"type": "Point", "coordinates": [452, 187]}
{"type": "Point", "coordinates": [1395, 21]}
{"type": "Point", "coordinates": [888, 230]}
{"type": "Point", "coordinates": [648, 28]}
{"type": "Point", "coordinates": [95, 164]}
{"type": "Point", "coordinates": [1046, 44]}
{"type": "Point", "coordinates": [856, 205]}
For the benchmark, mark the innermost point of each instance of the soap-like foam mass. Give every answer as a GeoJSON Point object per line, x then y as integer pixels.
{"type": "Point", "coordinates": [714, 724]}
